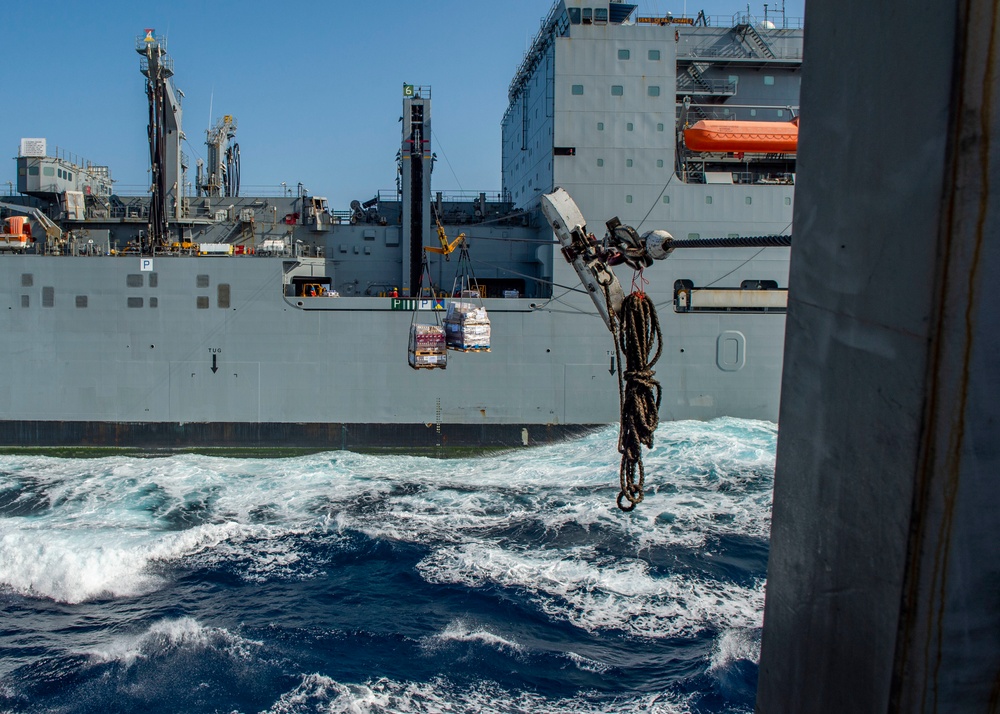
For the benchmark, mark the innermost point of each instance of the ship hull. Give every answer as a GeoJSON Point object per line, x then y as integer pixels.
{"type": "Point", "coordinates": [101, 353]}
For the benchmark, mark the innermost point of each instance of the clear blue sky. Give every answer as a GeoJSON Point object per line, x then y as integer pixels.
{"type": "Point", "coordinates": [315, 86]}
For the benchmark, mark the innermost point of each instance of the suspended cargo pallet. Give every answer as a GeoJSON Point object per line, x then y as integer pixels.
{"type": "Point", "coordinates": [467, 327]}
{"type": "Point", "coordinates": [427, 349]}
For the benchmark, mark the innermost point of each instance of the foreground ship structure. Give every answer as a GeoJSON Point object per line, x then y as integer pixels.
{"type": "Point", "coordinates": [198, 316]}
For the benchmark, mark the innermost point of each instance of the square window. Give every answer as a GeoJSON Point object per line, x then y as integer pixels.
{"type": "Point", "coordinates": [600, 126]}
{"type": "Point", "coordinates": [623, 54]}
{"type": "Point", "coordinates": [659, 163]}
{"type": "Point", "coordinates": [654, 55]}
{"type": "Point", "coordinates": [659, 127]}
{"type": "Point", "coordinates": [768, 80]}
{"type": "Point", "coordinates": [617, 90]}
{"type": "Point", "coordinates": [666, 199]}
{"type": "Point", "coordinates": [653, 91]}
{"type": "Point", "coordinates": [577, 89]}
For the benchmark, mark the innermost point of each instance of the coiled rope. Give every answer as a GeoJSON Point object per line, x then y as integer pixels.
{"type": "Point", "coordinates": [636, 331]}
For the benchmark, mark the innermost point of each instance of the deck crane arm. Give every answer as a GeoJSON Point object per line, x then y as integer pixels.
{"type": "Point", "coordinates": [446, 248]}
{"type": "Point", "coordinates": [53, 231]}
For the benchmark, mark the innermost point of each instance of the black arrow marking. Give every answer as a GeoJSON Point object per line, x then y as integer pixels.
{"type": "Point", "coordinates": [215, 367]}
{"type": "Point", "coordinates": [611, 367]}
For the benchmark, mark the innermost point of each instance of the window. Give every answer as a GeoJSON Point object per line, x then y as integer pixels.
{"type": "Point", "coordinates": [577, 89]}
{"type": "Point", "coordinates": [617, 90]}
{"type": "Point", "coordinates": [133, 280]}
{"type": "Point", "coordinates": [694, 236]}
{"type": "Point", "coordinates": [733, 79]}
{"type": "Point", "coordinates": [629, 126]}
{"type": "Point", "coordinates": [753, 112]}
{"type": "Point", "coordinates": [588, 16]}
{"type": "Point", "coordinates": [708, 200]}
{"type": "Point", "coordinates": [659, 163]}
{"type": "Point", "coordinates": [81, 301]}
{"type": "Point", "coordinates": [135, 302]}
{"type": "Point", "coordinates": [48, 171]}
{"type": "Point", "coordinates": [628, 163]}
{"type": "Point", "coordinates": [600, 126]}
{"type": "Point", "coordinates": [574, 15]}
{"type": "Point", "coordinates": [659, 127]}
{"type": "Point", "coordinates": [223, 295]}
{"type": "Point", "coordinates": [653, 91]}
{"type": "Point", "coordinates": [666, 199]}
{"type": "Point", "coordinates": [624, 54]}
{"type": "Point", "coordinates": [781, 112]}
{"type": "Point", "coordinates": [32, 171]}
{"type": "Point", "coordinates": [654, 55]}
{"type": "Point", "coordinates": [202, 302]}
{"type": "Point", "coordinates": [788, 200]}
{"type": "Point", "coordinates": [628, 198]}
{"type": "Point", "coordinates": [768, 80]}
{"type": "Point", "coordinates": [201, 281]}
{"type": "Point", "coordinates": [749, 200]}
{"type": "Point", "coordinates": [153, 302]}
{"type": "Point", "coordinates": [600, 162]}
{"type": "Point", "coordinates": [48, 297]}
{"type": "Point", "coordinates": [600, 15]}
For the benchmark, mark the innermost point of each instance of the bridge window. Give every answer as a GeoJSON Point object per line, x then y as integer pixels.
{"type": "Point", "coordinates": [588, 16]}
{"type": "Point", "coordinates": [600, 15]}
{"type": "Point", "coordinates": [48, 171]}
{"type": "Point", "coordinates": [574, 15]}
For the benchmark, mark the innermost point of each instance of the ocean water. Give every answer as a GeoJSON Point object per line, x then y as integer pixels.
{"type": "Point", "coordinates": [341, 582]}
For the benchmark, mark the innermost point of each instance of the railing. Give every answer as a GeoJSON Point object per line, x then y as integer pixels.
{"type": "Point", "coordinates": [689, 85]}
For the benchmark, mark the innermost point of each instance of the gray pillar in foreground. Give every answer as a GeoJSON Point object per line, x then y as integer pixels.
{"type": "Point", "coordinates": [883, 591]}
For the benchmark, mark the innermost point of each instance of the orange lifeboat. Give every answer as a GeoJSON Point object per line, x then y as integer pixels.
{"type": "Point", "coordinates": [761, 137]}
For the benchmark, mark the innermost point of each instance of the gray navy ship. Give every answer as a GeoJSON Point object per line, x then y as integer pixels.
{"type": "Point", "coordinates": [196, 316]}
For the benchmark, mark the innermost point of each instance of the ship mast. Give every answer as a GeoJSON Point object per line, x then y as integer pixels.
{"type": "Point", "coordinates": [164, 129]}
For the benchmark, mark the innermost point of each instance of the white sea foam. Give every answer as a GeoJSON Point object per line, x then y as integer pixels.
{"type": "Point", "coordinates": [318, 693]}
{"type": "Point", "coordinates": [463, 631]}
{"type": "Point", "coordinates": [106, 527]}
{"type": "Point", "coordinates": [168, 635]}
{"type": "Point", "coordinates": [600, 595]}
{"type": "Point", "coordinates": [733, 645]}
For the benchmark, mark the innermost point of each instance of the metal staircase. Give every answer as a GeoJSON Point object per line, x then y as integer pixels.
{"type": "Point", "coordinates": [753, 41]}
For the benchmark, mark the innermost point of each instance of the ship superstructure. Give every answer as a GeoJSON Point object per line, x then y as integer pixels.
{"type": "Point", "coordinates": [204, 317]}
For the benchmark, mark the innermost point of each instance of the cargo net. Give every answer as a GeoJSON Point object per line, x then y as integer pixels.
{"type": "Point", "coordinates": [466, 325]}
{"type": "Point", "coordinates": [427, 348]}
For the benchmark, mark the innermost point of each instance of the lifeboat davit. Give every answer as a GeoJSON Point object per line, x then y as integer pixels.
{"type": "Point", "coordinates": [763, 137]}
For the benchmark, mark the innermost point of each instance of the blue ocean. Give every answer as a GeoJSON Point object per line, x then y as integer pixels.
{"type": "Point", "coordinates": [342, 582]}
